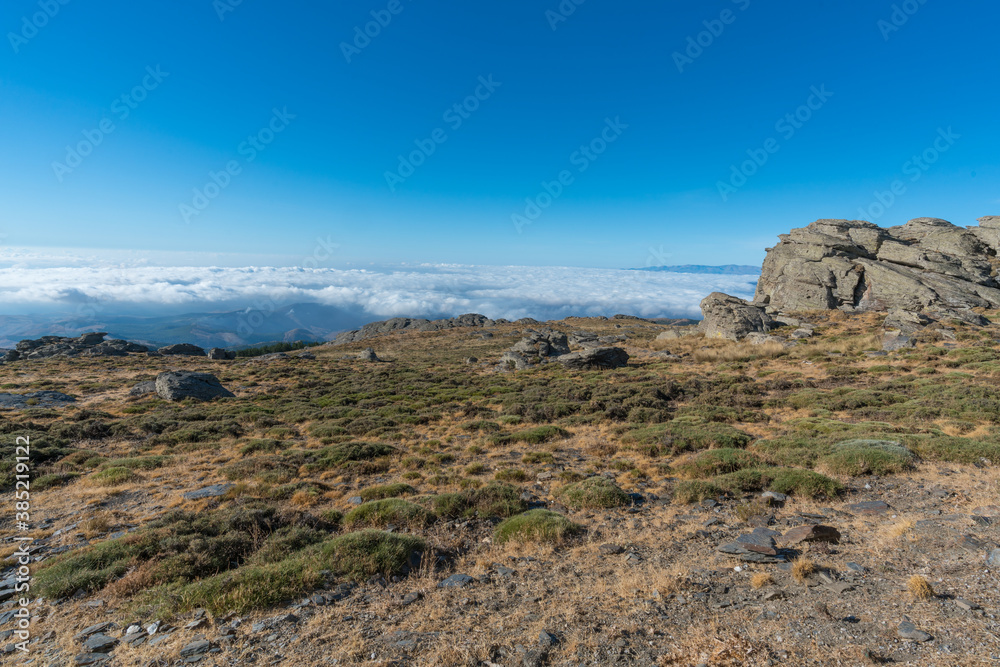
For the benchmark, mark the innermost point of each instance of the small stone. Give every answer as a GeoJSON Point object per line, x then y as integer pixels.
{"type": "Point", "coordinates": [196, 648]}
{"type": "Point", "coordinates": [213, 491]}
{"type": "Point", "coordinates": [993, 559]}
{"type": "Point", "coordinates": [773, 497]}
{"type": "Point", "coordinates": [610, 549]}
{"type": "Point", "coordinates": [857, 568]}
{"type": "Point", "coordinates": [907, 630]}
{"type": "Point", "coordinates": [547, 639]}
{"type": "Point", "coordinates": [812, 533]}
{"type": "Point", "coordinates": [100, 643]}
{"type": "Point", "coordinates": [456, 581]}
{"type": "Point", "coordinates": [410, 598]}
{"type": "Point", "coordinates": [965, 604]}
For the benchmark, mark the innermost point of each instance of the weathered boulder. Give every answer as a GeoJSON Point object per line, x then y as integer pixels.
{"type": "Point", "coordinates": [546, 343]}
{"type": "Point", "coordinates": [88, 344]}
{"type": "Point", "coordinates": [219, 353]}
{"type": "Point", "coordinates": [595, 358]}
{"type": "Point", "coordinates": [178, 385]}
{"type": "Point", "coordinates": [733, 318]}
{"type": "Point", "coordinates": [183, 349]}
{"type": "Point", "coordinates": [368, 354]}
{"type": "Point", "coordinates": [852, 265]}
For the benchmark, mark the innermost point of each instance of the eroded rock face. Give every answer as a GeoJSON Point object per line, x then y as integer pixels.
{"type": "Point", "coordinates": [733, 318]}
{"type": "Point", "coordinates": [397, 324]}
{"type": "Point", "coordinates": [927, 265]}
{"type": "Point", "coordinates": [88, 344]}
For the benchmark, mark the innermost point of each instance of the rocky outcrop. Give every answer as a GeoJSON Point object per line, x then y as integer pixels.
{"type": "Point", "coordinates": [729, 317]}
{"type": "Point", "coordinates": [222, 354]}
{"type": "Point", "coordinates": [595, 358]}
{"type": "Point", "coordinates": [39, 399]}
{"type": "Point", "coordinates": [88, 344]}
{"type": "Point", "coordinates": [398, 324]}
{"type": "Point", "coordinates": [178, 385]}
{"type": "Point", "coordinates": [926, 266]}
{"type": "Point", "coordinates": [545, 343]}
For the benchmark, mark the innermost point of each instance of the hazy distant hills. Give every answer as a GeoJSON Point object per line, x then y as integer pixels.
{"type": "Point", "coordinates": [724, 269]}
{"type": "Point", "coordinates": [301, 321]}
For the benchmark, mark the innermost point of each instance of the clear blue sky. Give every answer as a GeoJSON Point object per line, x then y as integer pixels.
{"type": "Point", "coordinates": [324, 174]}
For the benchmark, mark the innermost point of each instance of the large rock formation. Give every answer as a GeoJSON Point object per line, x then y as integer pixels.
{"type": "Point", "coordinates": [925, 270]}
{"type": "Point", "coordinates": [927, 265]}
{"type": "Point", "coordinates": [177, 385]}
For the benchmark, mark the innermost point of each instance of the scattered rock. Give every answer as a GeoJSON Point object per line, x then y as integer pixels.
{"type": "Point", "coordinates": [368, 354]}
{"type": "Point", "coordinates": [143, 389]}
{"type": "Point", "coordinates": [213, 491]}
{"type": "Point", "coordinates": [811, 533]}
{"type": "Point", "coordinates": [597, 358]}
{"type": "Point", "coordinates": [907, 630]}
{"type": "Point", "coordinates": [178, 385]}
{"type": "Point", "coordinates": [993, 558]}
{"type": "Point", "coordinates": [219, 353]}
{"type": "Point", "coordinates": [36, 399]}
{"type": "Point", "coordinates": [456, 581]}
{"type": "Point", "coordinates": [894, 340]}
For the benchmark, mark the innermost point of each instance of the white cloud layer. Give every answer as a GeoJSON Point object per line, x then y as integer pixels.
{"type": "Point", "coordinates": [424, 291]}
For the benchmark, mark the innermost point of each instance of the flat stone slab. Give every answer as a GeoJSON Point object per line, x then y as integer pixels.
{"type": "Point", "coordinates": [869, 507]}
{"type": "Point", "coordinates": [811, 533]}
{"type": "Point", "coordinates": [907, 630]}
{"type": "Point", "coordinates": [35, 399]}
{"type": "Point", "coordinates": [456, 581]}
{"type": "Point", "coordinates": [213, 491]}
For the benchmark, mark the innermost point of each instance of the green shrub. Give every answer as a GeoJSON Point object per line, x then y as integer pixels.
{"type": "Point", "coordinates": [536, 525]}
{"type": "Point", "coordinates": [791, 481]}
{"type": "Point", "coordinates": [113, 477]}
{"type": "Point", "coordinates": [494, 499]}
{"type": "Point", "coordinates": [386, 491]}
{"type": "Point", "coordinates": [867, 457]}
{"type": "Point", "coordinates": [593, 492]}
{"type": "Point", "coordinates": [686, 435]}
{"type": "Point", "coordinates": [381, 513]}
{"type": "Point", "coordinates": [362, 554]}
{"type": "Point", "coordinates": [266, 445]}
{"type": "Point", "coordinates": [717, 461]}
{"type": "Point", "coordinates": [52, 480]}
{"type": "Point", "coordinates": [532, 436]}
{"type": "Point", "coordinates": [694, 491]}
{"type": "Point", "coordinates": [338, 455]}
{"type": "Point", "coordinates": [511, 475]}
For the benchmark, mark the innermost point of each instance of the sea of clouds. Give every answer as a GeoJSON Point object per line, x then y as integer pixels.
{"type": "Point", "coordinates": [415, 291]}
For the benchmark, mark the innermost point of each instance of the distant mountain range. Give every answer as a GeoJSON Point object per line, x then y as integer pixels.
{"type": "Point", "coordinates": [725, 269]}
{"type": "Point", "coordinates": [300, 321]}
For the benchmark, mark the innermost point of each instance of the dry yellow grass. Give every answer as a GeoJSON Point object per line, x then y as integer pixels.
{"type": "Point", "coordinates": [920, 589]}
{"type": "Point", "coordinates": [802, 567]}
{"type": "Point", "coordinates": [761, 579]}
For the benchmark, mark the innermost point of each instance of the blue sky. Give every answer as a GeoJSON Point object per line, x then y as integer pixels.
{"type": "Point", "coordinates": [892, 78]}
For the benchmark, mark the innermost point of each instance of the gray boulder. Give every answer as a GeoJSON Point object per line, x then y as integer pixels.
{"type": "Point", "coordinates": [595, 358]}
{"type": "Point", "coordinates": [143, 389]}
{"type": "Point", "coordinates": [182, 349]}
{"type": "Point", "coordinates": [368, 354]}
{"type": "Point", "coordinates": [894, 340]}
{"type": "Point", "coordinates": [219, 353]}
{"type": "Point", "coordinates": [178, 385]}
{"type": "Point", "coordinates": [732, 318]}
